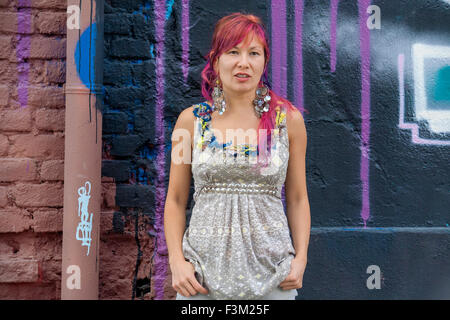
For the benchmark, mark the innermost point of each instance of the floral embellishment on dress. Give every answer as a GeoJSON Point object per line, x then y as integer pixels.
{"type": "Point", "coordinates": [207, 138]}
{"type": "Point", "coordinates": [203, 111]}
{"type": "Point", "coordinates": [280, 120]}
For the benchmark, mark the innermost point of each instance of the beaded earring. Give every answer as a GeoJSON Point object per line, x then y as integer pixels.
{"type": "Point", "coordinates": [218, 98]}
{"type": "Point", "coordinates": [261, 102]}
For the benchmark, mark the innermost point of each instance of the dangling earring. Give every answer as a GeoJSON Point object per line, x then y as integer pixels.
{"type": "Point", "coordinates": [262, 100]}
{"type": "Point", "coordinates": [218, 98]}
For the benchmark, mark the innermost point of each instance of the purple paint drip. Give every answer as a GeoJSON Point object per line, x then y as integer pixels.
{"type": "Point", "coordinates": [298, 61]}
{"type": "Point", "coordinates": [160, 261]}
{"type": "Point", "coordinates": [279, 47]}
{"type": "Point", "coordinates": [333, 23]}
{"type": "Point", "coordinates": [185, 38]}
{"type": "Point", "coordinates": [23, 50]}
{"type": "Point", "coordinates": [364, 40]}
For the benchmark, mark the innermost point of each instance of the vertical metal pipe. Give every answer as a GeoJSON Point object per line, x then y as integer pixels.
{"type": "Point", "coordinates": [83, 150]}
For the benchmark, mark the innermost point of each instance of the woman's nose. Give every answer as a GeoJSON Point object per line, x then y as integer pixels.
{"type": "Point", "coordinates": [243, 60]}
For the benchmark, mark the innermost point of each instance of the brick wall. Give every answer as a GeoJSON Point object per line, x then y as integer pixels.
{"type": "Point", "coordinates": [32, 64]}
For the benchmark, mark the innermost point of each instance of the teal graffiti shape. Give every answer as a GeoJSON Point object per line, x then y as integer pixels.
{"type": "Point", "coordinates": [442, 88]}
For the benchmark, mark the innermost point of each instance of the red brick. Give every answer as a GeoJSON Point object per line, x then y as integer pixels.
{"type": "Point", "coordinates": [5, 3]}
{"type": "Point", "coordinates": [3, 197]}
{"type": "Point", "coordinates": [44, 146]}
{"type": "Point", "coordinates": [15, 119]}
{"type": "Point", "coordinates": [50, 23]}
{"type": "Point", "coordinates": [52, 170]}
{"type": "Point", "coordinates": [36, 74]}
{"type": "Point", "coordinates": [106, 221]}
{"type": "Point", "coordinates": [55, 71]}
{"type": "Point", "coordinates": [47, 220]}
{"type": "Point", "coordinates": [6, 49]}
{"type": "Point", "coordinates": [4, 145]}
{"type": "Point", "coordinates": [49, 4]}
{"type": "Point", "coordinates": [47, 48]}
{"type": "Point", "coordinates": [46, 96]}
{"type": "Point", "coordinates": [8, 22]}
{"type": "Point", "coordinates": [38, 195]}
{"type": "Point", "coordinates": [8, 74]}
{"type": "Point", "coordinates": [19, 271]}
{"type": "Point", "coordinates": [30, 291]}
{"type": "Point", "coordinates": [50, 119]}
{"type": "Point", "coordinates": [4, 95]}
{"type": "Point", "coordinates": [12, 169]}
{"type": "Point", "coordinates": [14, 220]}
{"type": "Point", "coordinates": [109, 195]}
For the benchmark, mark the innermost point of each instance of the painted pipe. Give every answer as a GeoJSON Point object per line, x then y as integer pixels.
{"type": "Point", "coordinates": [83, 150]}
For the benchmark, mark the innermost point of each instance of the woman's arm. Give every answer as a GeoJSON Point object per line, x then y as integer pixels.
{"type": "Point", "coordinates": [298, 211]}
{"type": "Point", "coordinates": [183, 272]}
{"type": "Point", "coordinates": [179, 184]}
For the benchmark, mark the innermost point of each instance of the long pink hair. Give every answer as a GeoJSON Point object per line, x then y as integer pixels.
{"type": "Point", "coordinates": [230, 31]}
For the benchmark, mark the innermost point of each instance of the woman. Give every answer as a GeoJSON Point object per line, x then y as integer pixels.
{"type": "Point", "coordinates": [237, 245]}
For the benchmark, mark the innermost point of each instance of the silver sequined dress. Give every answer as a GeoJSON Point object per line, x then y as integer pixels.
{"type": "Point", "coordinates": [238, 237]}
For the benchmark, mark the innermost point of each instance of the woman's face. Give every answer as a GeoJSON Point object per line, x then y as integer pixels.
{"type": "Point", "coordinates": [236, 60]}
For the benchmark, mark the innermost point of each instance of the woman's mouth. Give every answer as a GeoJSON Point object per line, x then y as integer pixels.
{"type": "Point", "coordinates": [242, 78]}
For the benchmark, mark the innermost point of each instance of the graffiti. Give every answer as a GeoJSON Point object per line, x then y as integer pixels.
{"type": "Point", "coordinates": [160, 261]}
{"type": "Point", "coordinates": [364, 40]}
{"type": "Point", "coordinates": [432, 85]}
{"type": "Point", "coordinates": [74, 280]}
{"type": "Point", "coordinates": [185, 38]}
{"type": "Point", "coordinates": [279, 47]}
{"type": "Point", "coordinates": [83, 58]}
{"type": "Point", "coordinates": [84, 228]}
{"type": "Point", "coordinates": [73, 20]}
{"type": "Point", "coordinates": [333, 23]}
{"type": "Point", "coordinates": [298, 61]}
{"type": "Point", "coordinates": [409, 125]}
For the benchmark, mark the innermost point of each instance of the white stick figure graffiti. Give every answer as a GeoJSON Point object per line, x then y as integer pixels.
{"type": "Point", "coordinates": [84, 227]}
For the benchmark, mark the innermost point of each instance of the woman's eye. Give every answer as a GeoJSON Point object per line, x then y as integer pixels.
{"type": "Point", "coordinates": [254, 52]}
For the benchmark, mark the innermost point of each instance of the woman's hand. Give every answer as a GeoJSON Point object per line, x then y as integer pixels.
{"type": "Point", "coordinates": [295, 278]}
{"type": "Point", "coordinates": [183, 279]}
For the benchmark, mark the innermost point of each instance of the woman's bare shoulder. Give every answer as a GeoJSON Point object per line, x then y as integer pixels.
{"type": "Point", "coordinates": [296, 125]}
{"type": "Point", "coordinates": [186, 118]}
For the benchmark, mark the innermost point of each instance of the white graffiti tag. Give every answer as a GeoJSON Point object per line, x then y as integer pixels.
{"type": "Point", "coordinates": [84, 227]}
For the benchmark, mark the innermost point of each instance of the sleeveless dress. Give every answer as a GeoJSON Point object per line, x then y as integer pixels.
{"type": "Point", "coordinates": [238, 237]}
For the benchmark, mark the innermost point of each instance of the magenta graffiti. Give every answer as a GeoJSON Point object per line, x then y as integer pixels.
{"type": "Point", "coordinates": [364, 40]}
{"type": "Point", "coordinates": [185, 38]}
{"type": "Point", "coordinates": [279, 47]}
{"type": "Point", "coordinates": [160, 261]}
{"type": "Point", "coordinates": [298, 61]}
{"type": "Point", "coordinates": [333, 23]}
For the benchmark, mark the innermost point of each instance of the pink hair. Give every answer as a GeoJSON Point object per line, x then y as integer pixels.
{"type": "Point", "coordinates": [230, 31]}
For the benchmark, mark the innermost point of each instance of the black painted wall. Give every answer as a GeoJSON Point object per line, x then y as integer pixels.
{"type": "Point", "coordinates": [407, 215]}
